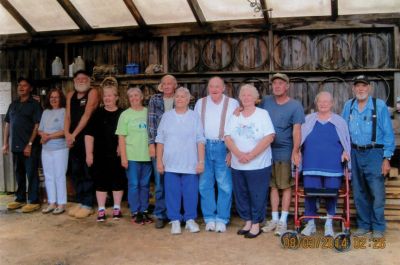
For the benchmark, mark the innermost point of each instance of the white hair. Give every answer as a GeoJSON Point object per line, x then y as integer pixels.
{"type": "Point", "coordinates": [250, 88]}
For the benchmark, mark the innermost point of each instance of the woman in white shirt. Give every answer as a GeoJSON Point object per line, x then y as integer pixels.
{"type": "Point", "coordinates": [248, 136]}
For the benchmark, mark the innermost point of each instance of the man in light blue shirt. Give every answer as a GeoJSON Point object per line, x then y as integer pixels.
{"type": "Point", "coordinates": [372, 145]}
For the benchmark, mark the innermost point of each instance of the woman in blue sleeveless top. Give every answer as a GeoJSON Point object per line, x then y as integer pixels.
{"type": "Point", "coordinates": [325, 145]}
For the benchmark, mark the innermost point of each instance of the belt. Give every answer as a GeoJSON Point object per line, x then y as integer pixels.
{"type": "Point", "coordinates": [214, 141]}
{"type": "Point", "coordinates": [366, 147]}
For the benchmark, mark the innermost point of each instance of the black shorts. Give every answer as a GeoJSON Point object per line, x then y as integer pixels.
{"type": "Point", "coordinates": [108, 174]}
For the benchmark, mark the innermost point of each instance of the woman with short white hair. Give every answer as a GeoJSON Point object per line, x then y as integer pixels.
{"type": "Point", "coordinates": [248, 136]}
{"type": "Point", "coordinates": [180, 156]}
{"type": "Point", "coordinates": [325, 143]}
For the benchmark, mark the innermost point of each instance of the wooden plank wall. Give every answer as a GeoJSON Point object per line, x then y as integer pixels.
{"type": "Point", "coordinates": [314, 60]}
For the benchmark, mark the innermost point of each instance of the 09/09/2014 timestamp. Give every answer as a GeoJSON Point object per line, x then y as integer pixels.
{"type": "Point", "coordinates": [332, 243]}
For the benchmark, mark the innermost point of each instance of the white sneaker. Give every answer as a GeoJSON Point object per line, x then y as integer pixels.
{"type": "Point", "coordinates": [280, 228]}
{"type": "Point", "coordinates": [329, 230]}
{"type": "Point", "coordinates": [271, 225]}
{"type": "Point", "coordinates": [220, 228]}
{"type": "Point", "coordinates": [309, 230]}
{"type": "Point", "coordinates": [175, 227]}
{"type": "Point", "coordinates": [192, 226]}
{"type": "Point", "coordinates": [210, 226]}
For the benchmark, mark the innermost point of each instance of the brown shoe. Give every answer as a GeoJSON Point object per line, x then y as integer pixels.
{"type": "Point", "coordinates": [83, 212]}
{"type": "Point", "coordinates": [15, 205]}
{"type": "Point", "coordinates": [30, 207]}
{"type": "Point", "coordinates": [73, 210]}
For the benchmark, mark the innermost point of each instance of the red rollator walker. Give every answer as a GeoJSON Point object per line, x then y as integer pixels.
{"type": "Point", "coordinates": [342, 241]}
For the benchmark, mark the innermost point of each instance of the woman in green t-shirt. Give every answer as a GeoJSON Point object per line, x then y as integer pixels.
{"type": "Point", "coordinates": [133, 142]}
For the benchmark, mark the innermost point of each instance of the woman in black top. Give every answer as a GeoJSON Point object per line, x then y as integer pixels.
{"type": "Point", "coordinates": [102, 151]}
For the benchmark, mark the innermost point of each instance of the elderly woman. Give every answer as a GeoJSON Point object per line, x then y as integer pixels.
{"type": "Point", "coordinates": [54, 151]}
{"type": "Point", "coordinates": [134, 148]}
{"type": "Point", "coordinates": [248, 136]}
{"type": "Point", "coordinates": [180, 156]}
{"type": "Point", "coordinates": [325, 145]}
{"type": "Point", "coordinates": [102, 152]}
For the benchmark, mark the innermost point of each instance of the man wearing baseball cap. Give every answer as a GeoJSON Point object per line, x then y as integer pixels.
{"type": "Point", "coordinates": [372, 146]}
{"type": "Point", "coordinates": [287, 115]}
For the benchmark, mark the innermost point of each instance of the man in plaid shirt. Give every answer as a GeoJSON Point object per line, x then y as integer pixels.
{"type": "Point", "coordinates": [158, 104]}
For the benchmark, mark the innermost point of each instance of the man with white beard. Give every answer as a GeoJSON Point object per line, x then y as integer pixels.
{"type": "Point", "coordinates": [372, 146]}
{"type": "Point", "coordinates": [81, 104]}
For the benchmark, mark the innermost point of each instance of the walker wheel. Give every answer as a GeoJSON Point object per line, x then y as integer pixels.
{"type": "Point", "coordinates": [290, 240]}
{"type": "Point", "coordinates": [342, 242]}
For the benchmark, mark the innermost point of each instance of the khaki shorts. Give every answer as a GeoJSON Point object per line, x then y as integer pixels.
{"type": "Point", "coordinates": [281, 175]}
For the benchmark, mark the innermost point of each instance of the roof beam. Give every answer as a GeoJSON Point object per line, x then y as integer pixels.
{"type": "Point", "coordinates": [197, 12]}
{"type": "Point", "coordinates": [18, 17]}
{"type": "Point", "coordinates": [264, 10]}
{"type": "Point", "coordinates": [135, 13]}
{"type": "Point", "coordinates": [75, 15]}
{"type": "Point", "coordinates": [334, 9]}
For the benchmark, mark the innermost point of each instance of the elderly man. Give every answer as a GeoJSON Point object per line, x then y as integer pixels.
{"type": "Point", "coordinates": [23, 118]}
{"type": "Point", "coordinates": [215, 111]}
{"type": "Point", "coordinates": [372, 143]}
{"type": "Point", "coordinates": [81, 104]}
{"type": "Point", "coordinates": [287, 115]}
{"type": "Point", "coordinates": [158, 104]}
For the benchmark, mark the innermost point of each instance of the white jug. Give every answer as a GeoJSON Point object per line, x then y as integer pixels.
{"type": "Point", "coordinates": [79, 64]}
{"type": "Point", "coordinates": [56, 66]}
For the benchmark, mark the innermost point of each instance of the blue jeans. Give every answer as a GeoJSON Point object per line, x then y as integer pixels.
{"type": "Point", "coordinates": [27, 167]}
{"type": "Point", "coordinates": [138, 174]}
{"type": "Point", "coordinates": [160, 211]}
{"type": "Point", "coordinates": [251, 188]}
{"type": "Point", "coordinates": [178, 186]}
{"type": "Point", "coordinates": [368, 188]}
{"type": "Point", "coordinates": [310, 203]}
{"type": "Point", "coordinates": [216, 170]}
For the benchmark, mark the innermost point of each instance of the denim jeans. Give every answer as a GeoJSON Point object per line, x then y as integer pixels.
{"type": "Point", "coordinates": [216, 170]}
{"type": "Point", "coordinates": [160, 211]}
{"type": "Point", "coordinates": [251, 188]}
{"type": "Point", "coordinates": [26, 167]}
{"type": "Point", "coordinates": [368, 188]}
{"type": "Point", "coordinates": [83, 182]}
{"type": "Point", "coordinates": [138, 174]}
{"type": "Point", "coordinates": [178, 186]}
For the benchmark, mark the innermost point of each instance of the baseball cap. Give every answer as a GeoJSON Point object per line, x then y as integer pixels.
{"type": "Point", "coordinates": [361, 79]}
{"type": "Point", "coordinates": [284, 77]}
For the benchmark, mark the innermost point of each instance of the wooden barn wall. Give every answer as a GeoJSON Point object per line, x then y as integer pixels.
{"type": "Point", "coordinates": [314, 60]}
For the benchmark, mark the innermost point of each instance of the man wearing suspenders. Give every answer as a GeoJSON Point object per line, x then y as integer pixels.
{"type": "Point", "coordinates": [372, 144]}
{"type": "Point", "coordinates": [215, 111]}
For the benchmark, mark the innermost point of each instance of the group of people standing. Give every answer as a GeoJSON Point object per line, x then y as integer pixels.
{"type": "Point", "coordinates": [243, 150]}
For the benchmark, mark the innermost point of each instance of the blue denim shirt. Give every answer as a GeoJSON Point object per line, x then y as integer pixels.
{"type": "Point", "coordinates": [360, 125]}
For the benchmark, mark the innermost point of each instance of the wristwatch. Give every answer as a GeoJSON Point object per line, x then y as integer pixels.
{"type": "Point", "coordinates": [388, 158]}
{"type": "Point", "coordinates": [30, 143]}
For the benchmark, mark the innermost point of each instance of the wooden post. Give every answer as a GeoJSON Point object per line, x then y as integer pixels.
{"type": "Point", "coordinates": [165, 54]}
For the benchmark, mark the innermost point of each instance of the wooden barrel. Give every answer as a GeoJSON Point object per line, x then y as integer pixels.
{"type": "Point", "coordinates": [217, 54]}
{"type": "Point", "coordinates": [262, 87]}
{"type": "Point", "coordinates": [184, 56]}
{"type": "Point", "coordinates": [332, 52]}
{"type": "Point", "coordinates": [299, 89]}
{"type": "Point", "coordinates": [251, 53]}
{"type": "Point", "coordinates": [370, 50]}
{"type": "Point", "coordinates": [290, 53]}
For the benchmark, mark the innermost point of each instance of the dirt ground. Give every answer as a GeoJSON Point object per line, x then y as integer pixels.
{"type": "Point", "coordinates": [61, 240]}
